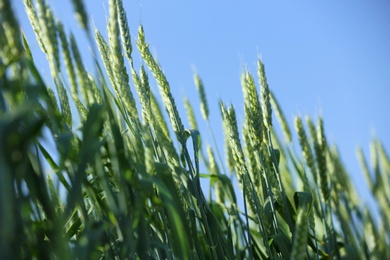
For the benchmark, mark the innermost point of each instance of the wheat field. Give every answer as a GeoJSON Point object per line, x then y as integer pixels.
{"type": "Point", "coordinates": [122, 179]}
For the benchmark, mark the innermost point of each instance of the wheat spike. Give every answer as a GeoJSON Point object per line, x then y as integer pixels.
{"type": "Point", "coordinates": [164, 87]}
{"type": "Point", "coordinates": [281, 118]}
{"type": "Point", "coordinates": [81, 14]}
{"type": "Point", "coordinates": [105, 54]}
{"type": "Point", "coordinates": [204, 108]}
{"type": "Point", "coordinates": [64, 102]}
{"type": "Point", "coordinates": [125, 31]}
{"type": "Point", "coordinates": [190, 114]}
{"type": "Point", "coordinates": [253, 113]}
{"type": "Point", "coordinates": [265, 95]}
{"type": "Point", "coordinates": [33, 17]}
{"type": "Point", "coordinates": [11, 29]}
{"type": "Point", "coordinates": [121, 77]}
{"type": "Point", "coordinates": [321, 159]}
{"type": "Point", "coordinates": [67, 58]}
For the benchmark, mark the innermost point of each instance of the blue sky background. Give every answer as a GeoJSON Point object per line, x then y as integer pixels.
{"type": "Point", "coordinates": [329, 58]}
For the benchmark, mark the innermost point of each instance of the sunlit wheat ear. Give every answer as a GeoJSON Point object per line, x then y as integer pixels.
{"type": "Point", "coordinates": [64, 102]}
{"type": "Point", "coordinates": [145, 94]}
{"type": "Point", "coordinates": [374, 162]}
{"type": "Point", "coordinates": [165, 148]}
{"type": "Point", "coordinates": [113, 32]}
{"type": "Point", "coordinates": [229, 116]}
{"type": "Point", "coordinates": [163, 84]}
{"type": "Point", "coordinates": [80, 70]}
{"type": "Point", "coordinates": [365, 168]}
{"type": "Point", "coordinates": [67, 58]}
{"type": "Point", "coordinates": [281, 118]}
{"type": "Point", "coordinates": [33, 17]}
{"type": "Point", "coordinates": [161, 129]}
{"type": "Point", "coordinates": [53, 40]}
{"type": "Point", "coordinates": [308, 155]}
{"type": "Point", "coordinates": [190, 114]}
{"type": "Point", "coordinates": [265, 96]}
{"type": "Point", "coordinates": [382, 177]}
{"type": "Point", "coordinates": [105, 54]}
{"type": "Point", "coordinates": [300, 235]}
{"type": "Point", "coordinates": [321, 159]}
{"type": "Point", "coordinates": [384, 158]}
{"type": "Point", "coordinates": [213, 166]}
{"type": "Point", "coordinates": [228, 149]}
{"type": "Point", "coordinates": [253, 113]}
{"type": "Point", "coordinates": [125, 31]}
{"type": "Point", "coordinates": [158, 115]}
{"type": "Point", "coordinates": [370, 234]}
{"type": "Point", "coordinates": [340, 179]}
{"type": "Point", "coordinates": [375, 182]}
{"type": "Point", "coordinates": [81, 14]}
{"type": "Point", "coordinates": [53, 100]}
{"type": "Point", "coordinates": [119, 71]}
{"type": "Point", "coordinates": [141, 83]}
{"type": "Point", "coordinates": [11, 29]}
{"type": "Point", "coordinates": [320, 153]}
{"type": "Point", "coordinates": [95, 95]}
{"type": "Point", "coordinates": [249, 151]}
{"type": "Point", "coordinates": [306, 149]}
{"type": "Point", "coordinates": [302, 136]}
{"type": "Point", "coordinates": [315, 144]}
{"type": "Point", "coordinates": [204, 108]}
{"type": "Point", "coordinates": [380, 164]}
{"type": "Point", "coordinates": [49, 35]}
{"type": "Point", "coordinates": [269, 173]}
{"type": "Point", "coordinates": [80, 106]}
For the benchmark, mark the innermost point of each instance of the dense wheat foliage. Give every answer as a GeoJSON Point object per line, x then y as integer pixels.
{"type": "Point", "coordinates": [119, 181]}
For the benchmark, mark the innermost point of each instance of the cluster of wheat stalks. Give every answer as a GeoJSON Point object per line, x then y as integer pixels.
{"type": "Point", "coordinates": [120, 187]}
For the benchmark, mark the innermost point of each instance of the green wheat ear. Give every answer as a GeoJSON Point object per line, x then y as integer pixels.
{"type": "Point", "coordinates": [141, 83]}
{"type": "Point", "coordinates": [229, 116]}
{"type": "Point", "coordinates": [64, 102]}
{"type": "Point", "coordinates": [281, 118]}
{"type": "Point", "coordinates": [80, 71]}
{"type": "Point", "coordinates": [315, 144]}
{"type": "Point", "coordinates": [190, 114]}
{"type": "Point", "coordinates": [125, 31]}
{"type": "Point", "coordinates": [306, 149]}
{"type": "Point", "coordinates": [67, 57]}
{"type": "Point", "coordinates": [105, 54]}
{"type": "Point", "coordinates": [81, 14]}
{"type": "Point", "coordinates": [49, 35]}
{"type": "Point", "coordinates": [253, 112]}
{"type": "Point", "coordinates": [144, 94]}
{"type": "Point", "coordinates": [12, 41]}
{"type": "Point", "coordinates": [250, 153]}
{"type": "Point", "coordinates": [33, 17]}
{"type": "Point", "coordinates": [164, 87]}
{"type": "Point", "coordinates": [321, 159]}
{"type": "Point", "coordinates": [228, 149]}
{"type": "Point", "coordinates": [121, 77]}
{"type": "Point", "coordinates": [204, 108]}
{"type": "Point", "coordinates": [364, 166]}
{"type": "Point", "coordinates": [265, 95]}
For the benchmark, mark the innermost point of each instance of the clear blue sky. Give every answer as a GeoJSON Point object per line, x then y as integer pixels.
{"type": "Point", "coordinates": [329, 58]}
